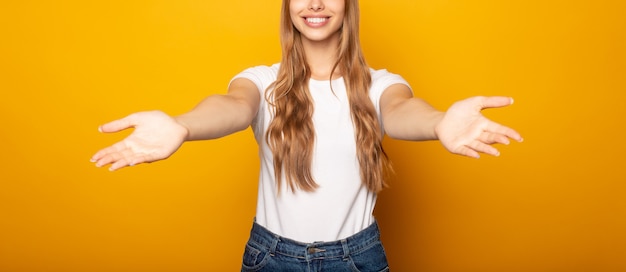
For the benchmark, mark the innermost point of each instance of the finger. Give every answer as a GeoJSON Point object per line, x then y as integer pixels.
{"type": "Point", "coordinates": [111, 158]}
{"type": "Point", "coordinates": [121, 163]}
{"type": "Point", "coordinates": [102, 153]}
{"type": "Point", "coordinates": [493, 138]}
{"type": "Point", "coordinates": [122, 159]}
{"type": "Point", "coordinates": [114, 153]}
{"type": "Point", "coordinates": [116, 148]}
{"type": "Point", "coordinates": [466, 151]}
{"type": "Point", "coordinates": [484, 148]}
{"type": "Point", "coordinates": [103, 157]}
{"type": "Point", "coordinates": [496, 128]}
{"type": "Point", "coordinates": [129, 161]}
{"type": "Point", "coordinates": [106, 160]}
{"type": "Point", "coordinates": [495, 101]}
{"type": "Point", "coordinates": [117, 125]}
{"type": "Point", "coordinates": [140, 158]}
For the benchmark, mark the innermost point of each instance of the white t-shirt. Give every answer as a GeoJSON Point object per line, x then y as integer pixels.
{"type": "Point", "coordinates": [341, 206]}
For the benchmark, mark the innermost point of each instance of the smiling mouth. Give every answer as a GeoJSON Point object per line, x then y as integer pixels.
{"type": "Point", "coordinates": [316, 20]}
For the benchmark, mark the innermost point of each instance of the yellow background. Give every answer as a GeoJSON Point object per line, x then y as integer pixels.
{"type": "Point", "coordinates": [556, 202]}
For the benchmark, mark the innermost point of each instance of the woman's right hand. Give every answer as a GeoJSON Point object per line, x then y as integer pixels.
{"type": "Point", "coordinates": [156, 137]}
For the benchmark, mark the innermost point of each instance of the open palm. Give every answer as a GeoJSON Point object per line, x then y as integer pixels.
{"type": "Point", "coordinates": [156, 136]}
{"type": "Point", "coordinates": [465, 131]}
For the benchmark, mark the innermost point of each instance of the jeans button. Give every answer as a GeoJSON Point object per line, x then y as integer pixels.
{"type": "Point", "coordinates": [313, 250]}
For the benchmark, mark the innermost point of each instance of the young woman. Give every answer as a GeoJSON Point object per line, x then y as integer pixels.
{"type": "Point", "coordinates": [319, 117]}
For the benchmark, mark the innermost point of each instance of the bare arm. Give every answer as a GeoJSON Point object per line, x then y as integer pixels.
{"type": "Point", "coordinates": [462, 129]}
{"type": "Point", "coordinates": [220, 115]}
{"type": "Point", "coordinates": [406, 117]}
{"type": "Point", "coordinates": [157, 135]}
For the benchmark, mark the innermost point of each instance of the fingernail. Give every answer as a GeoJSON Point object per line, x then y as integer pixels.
{"type": "Point", "coordinates": [512, 100]}
{"type": "Point", "coordinates": [100, 129]}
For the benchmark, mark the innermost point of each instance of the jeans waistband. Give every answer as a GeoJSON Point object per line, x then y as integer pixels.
{"type": "Point", "coordinates": [316, 250]}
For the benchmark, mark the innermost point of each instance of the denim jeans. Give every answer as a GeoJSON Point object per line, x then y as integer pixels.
{"type": "Point", "coordinates": [362, 252]}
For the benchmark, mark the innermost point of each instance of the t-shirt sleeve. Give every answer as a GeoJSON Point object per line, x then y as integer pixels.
{"type": "Point", "coordinates": [261, 76]}
{"type": "Point", "coordinates": [381, 80]}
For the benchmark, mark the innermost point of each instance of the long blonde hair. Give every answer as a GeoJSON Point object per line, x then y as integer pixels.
{"type": "Point", "coordinates": [291, 130]}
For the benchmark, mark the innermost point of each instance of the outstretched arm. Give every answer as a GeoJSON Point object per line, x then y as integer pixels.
{"type": "Point", "coordinates": [157, 135]}
{"type": "Point", "coordinates": [406, 117]}
{"type": "Point", "coordinates": [220, 115]}
{"type": "Point", "coordinates": [462, 129]}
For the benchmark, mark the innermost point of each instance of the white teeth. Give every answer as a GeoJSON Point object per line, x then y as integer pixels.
{"type": "Point", "coordinates": [316, 20]}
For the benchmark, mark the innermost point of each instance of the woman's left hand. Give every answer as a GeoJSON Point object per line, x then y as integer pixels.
{"type": "Point", "coordinates": [465, 131]}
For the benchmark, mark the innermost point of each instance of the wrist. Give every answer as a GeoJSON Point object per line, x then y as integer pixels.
{"type": "Point", "coordinates": [438, 117]}
{"type": "Point", "coordinates": [185, 127]}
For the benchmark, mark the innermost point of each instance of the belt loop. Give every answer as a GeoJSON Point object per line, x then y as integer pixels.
{"type": "Point", "coordinates": [274, 244]}
{"type": "Point", "coordinates": [346, 250]}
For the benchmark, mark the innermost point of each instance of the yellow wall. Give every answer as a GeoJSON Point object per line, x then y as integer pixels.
{"type": "Point", "coordinates": [553, 203]}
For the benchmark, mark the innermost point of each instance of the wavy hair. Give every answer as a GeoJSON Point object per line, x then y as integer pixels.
{"type": "Point", "coordinates": [291, 130]}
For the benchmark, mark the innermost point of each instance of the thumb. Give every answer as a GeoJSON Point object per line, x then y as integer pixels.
{"type": "Point", "coordinates": [495, 102]}
{"type": "Point", "coordinates": [117, 125]}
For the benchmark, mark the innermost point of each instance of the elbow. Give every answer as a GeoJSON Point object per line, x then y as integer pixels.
{"type": "Point", "coordinates": [396, 135]}
{"type": "Point", "coordinates": [392, 131]}
{"type": "Point", "coordinates": [246, 115]}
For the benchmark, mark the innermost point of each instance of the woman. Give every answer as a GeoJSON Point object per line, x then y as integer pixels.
{"type": "Point", "coordinates": [319, 117]}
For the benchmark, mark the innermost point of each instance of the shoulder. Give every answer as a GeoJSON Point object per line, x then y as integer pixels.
{"type": "Point", "coordinates": [265, 68]}
{"type": "Point", "coordinates": [262, 75]}
{"type": "Point", "coordinates": [261, 71]}
{"type": "Point", "coordinates": [382, 79]}
{"type": "Point", "coordinates": [384, 75]}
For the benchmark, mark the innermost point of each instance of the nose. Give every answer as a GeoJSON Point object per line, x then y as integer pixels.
{"type": "Point", "coordinates": [316, 5]}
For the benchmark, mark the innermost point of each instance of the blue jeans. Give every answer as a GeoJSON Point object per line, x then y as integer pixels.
{"type": "Point", "coordinates": [269, 252]}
